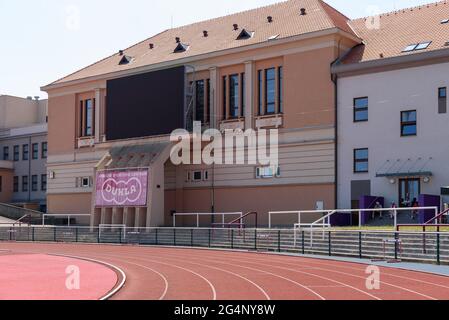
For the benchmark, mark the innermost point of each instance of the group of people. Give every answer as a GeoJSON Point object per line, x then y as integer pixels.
{"type": "Point", "coordinates": [378, 209]}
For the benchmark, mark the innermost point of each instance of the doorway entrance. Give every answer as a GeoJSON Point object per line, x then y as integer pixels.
{"type": "Point", "coordinates": [409, 190]}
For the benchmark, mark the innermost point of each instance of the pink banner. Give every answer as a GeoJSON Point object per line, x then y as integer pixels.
{"type": "Point", "coordinates": [126, 188]}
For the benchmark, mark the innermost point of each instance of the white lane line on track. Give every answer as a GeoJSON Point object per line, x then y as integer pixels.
{"type": "Point", "coordinates": [120, 271]}
{"type": "Point", "coordinates": [316, 276]}
{"type": "Point", "coordinates": [351, 275]}
{"type": "Point", "coordinates": [274, 275]}
{"type": "Point", "coordinates": [225, 271]}
{"type": "Point", "coordinates": [212, 287]}
{"type": "Point", "coordinates": [162, 297]}
{"type": "Point", "coordinates": [389, 274]}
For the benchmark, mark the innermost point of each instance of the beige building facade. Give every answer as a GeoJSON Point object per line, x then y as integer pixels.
{"type": "Point", "coordinates": [272, 79]}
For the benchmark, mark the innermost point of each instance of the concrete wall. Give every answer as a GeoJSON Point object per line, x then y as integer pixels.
{"type": "Point", "coordinates": [17, 112]}
{"type": "Point", "coordinates": [390, 93]}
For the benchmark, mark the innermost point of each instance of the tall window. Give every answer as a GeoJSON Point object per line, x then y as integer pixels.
{"type": "Point", "coordinates": [242, 95]}
{"type": "Point", "coordinates": [25, 152]}
{"type": "Point", "coordinates": [16, 184]}
{"type": "Point", "coordinates": [199, 96]}
{"type": "Point", "coordinates": [281, 89]}
{"type": "Point", "coordinates": [25, 184]}
{"type": "Point", "coordinates": [270, 91]}
{"type": "Point", "coordinates": [225, 93]}
{"type": "Point", "coordinates": [208, 101]}
{"type": "Point", "coordinates": [1, 183]}
{"type": "Point", "coordinates": [6, 153]}
{"type": "Point", "coordinates": [442, 100]}
{"type": "Point", "coordinates": [409, 123]}
{"type": "Point", "coordinates": [34, 182]}
{"type": "Point", "coordinates": [87, 118]}
{"type": "Point", "coordinates": [261, 102]}
{"type": "Point", "coordinates": [361, 109]}
{"type": "Point", "coordinates": [234, 96]}
{"type": "Point", "coordinates": [44, 182]}
{"type": "Point", "coordinates": [35, 151]}
{"type": "Point", "coordinates": [16, 153]}
{"type": "Point", "coordinates": [361, 160]}
{"type": "Point", "coordinates": [44, 149]}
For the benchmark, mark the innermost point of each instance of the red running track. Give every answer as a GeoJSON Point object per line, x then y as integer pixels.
{"type": "Point", "coordinates": [187, 274]}
{"type": "Point", "coordinates": [46, 277]}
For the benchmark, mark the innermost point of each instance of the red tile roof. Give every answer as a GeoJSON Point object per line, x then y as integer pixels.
{"type": "Point", "coordinates": [399, 29]}
{"type": "Point", "coordinates": [287, 22]}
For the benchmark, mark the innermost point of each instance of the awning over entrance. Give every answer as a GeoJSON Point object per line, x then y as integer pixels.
{"type": "Point", "coordinates": [134, 156]}
{"type": "Point", "coordinates": [405, 168]}
{"type": "Point", "coordinates": [405, 174]}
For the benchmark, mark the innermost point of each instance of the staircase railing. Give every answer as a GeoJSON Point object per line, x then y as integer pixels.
{"type": "Point", "coordinates": [239, 221]}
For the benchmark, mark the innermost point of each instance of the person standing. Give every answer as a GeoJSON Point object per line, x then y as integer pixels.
{"type": "Point", "coordinates": [377, 207]}
{"type": "Point", "coordinates": [393, 211]}
{"type": "Point", "coordinates": [415, 205]}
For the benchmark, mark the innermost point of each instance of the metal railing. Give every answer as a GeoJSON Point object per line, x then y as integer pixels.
{"type": "Point", "coordinates": [407, 246]}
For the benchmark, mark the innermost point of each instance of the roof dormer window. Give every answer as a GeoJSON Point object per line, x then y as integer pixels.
{"type": "Point", "coordinates": [245, 35]}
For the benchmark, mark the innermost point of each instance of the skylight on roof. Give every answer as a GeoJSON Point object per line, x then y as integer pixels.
{"type": "Point", "coordinates": [444, 21]}
{"type": "Point", "coordinates": [423, 45]}
{"type": "Point", "coordinates": [273, 37]}
{"type": "Point", "coordinates": [410, 48]}
{"type": "Point", "coordinates": [416, 47]}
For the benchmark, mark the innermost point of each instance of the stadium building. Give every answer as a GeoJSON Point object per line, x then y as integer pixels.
{"type": "Point", "coordinates": [260, 69]}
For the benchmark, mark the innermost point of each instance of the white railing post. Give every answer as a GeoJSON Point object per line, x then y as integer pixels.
{"type": "Point", "coordinates": [198, 221]}
{"type": "Point", "coordinates": [174, 220]}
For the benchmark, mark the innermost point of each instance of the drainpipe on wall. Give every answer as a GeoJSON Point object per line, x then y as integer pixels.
{"type": "Point", "coordinates": [335, 81]}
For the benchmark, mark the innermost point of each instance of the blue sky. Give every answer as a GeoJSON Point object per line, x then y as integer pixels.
{"type": "Point", "coordinates": [44, 40]}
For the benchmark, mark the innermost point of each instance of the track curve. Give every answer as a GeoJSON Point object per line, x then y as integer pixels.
{"type": "Point", "coordinates": [156, 273]}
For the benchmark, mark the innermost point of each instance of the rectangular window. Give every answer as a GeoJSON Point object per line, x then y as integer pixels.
{"type": "Point", "coordinates": [442, 100]}
{"type": "Point", "coordinates": [270, 91]}
{"type": "Point", "coordinates": [281, 89]}
{"type": "Point", "coordinates": [268, 172]}
{"type": "Point", "coordinates": [260, 77]}
{"type": "Point", "coordinates": [44, 182]}
{"type": "Point", "coordinates": [225, 92]}
{"type": "Point", "coordinates": [25, 152]}
{"type": "Point", "coordinates": [35, 151]}
{"type": "Point", "coordinates": [16, 153]}
{"type": "Point", "coordinates": [1, 183]}
{"type": "Point", "coordinates": [16, 184]}
{"type": "Point", "coordinates": [44, 150]}
{"type": "Point", "coordinates": [234, 96]}
{"type": "Point", "coordinates": [208, 101]}
{"type": "Point", "coordinates": [243, 95]}
{"type": "Point", "coordinates": [25, 184]}
{"type": "Point", "coordinates": [6, 153]}
{"type": "Point", "coordinates": [87, 118]}
{"type": "Point", "coordinates": [361, 160]}
{"type": "Point", "coordinates": [409, 123]}
{"type": "Point", "coordinates": [199, 98]}
{"type": "Point", "coordinates": [89, 109]}
{"type": "Point", "coordinates": [34, 183]}
{"type": "Point", "coordinates": [361, 109]}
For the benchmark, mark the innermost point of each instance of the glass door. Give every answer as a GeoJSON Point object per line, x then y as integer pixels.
{"type": "Point", "coordinates": [409, 191]}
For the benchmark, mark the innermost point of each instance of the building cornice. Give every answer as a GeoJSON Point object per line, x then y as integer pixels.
{"type": "Point", "coordinates": [379, 65]}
